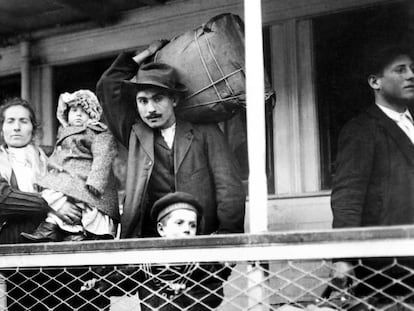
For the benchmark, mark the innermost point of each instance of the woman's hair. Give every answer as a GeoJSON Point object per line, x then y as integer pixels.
{"type": "Point", "coordinates": [17, 101]}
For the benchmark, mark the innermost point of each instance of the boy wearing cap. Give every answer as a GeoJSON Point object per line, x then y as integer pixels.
{"type": "Point", "coordinates": [177, 214]}
{"type": "Point", "coordinates": [167, 154]}
{"type": "Point", "coordinates": [177, 287]}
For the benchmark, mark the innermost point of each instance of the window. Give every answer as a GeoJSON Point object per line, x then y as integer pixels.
{"type": "Point", "coordinates": [70, 78]}
{"type": "Point", "coordinates": [342, 43]}
{"type": "Point", "coordinates": [9, 87]}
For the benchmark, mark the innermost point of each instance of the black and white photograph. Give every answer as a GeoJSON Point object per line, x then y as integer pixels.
{"type": "Point", "coordinates": [220, 155]}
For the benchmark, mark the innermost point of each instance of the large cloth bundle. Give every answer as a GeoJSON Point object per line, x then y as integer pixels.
{"type": "Point", "coordinates": [210, 61]}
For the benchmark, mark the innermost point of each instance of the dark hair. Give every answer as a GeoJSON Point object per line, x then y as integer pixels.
{"type": "Point", "coordinates": [17, 101]}
{"type": "Point", "coordinates": [383, 56]}
{"type": "Point", "coordinates": [162, 91]}
{"type": "Point", "coordinates": [65, 113]}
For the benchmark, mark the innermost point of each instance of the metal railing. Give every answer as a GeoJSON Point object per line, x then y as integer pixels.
{"type": "Point", "coordinates": [272, 271]}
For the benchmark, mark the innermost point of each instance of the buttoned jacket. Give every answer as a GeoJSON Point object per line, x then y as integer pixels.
{"type": "Point", "coordinates": [374, 179]}
{"type": "Point", "coordinates": [203, 163]}
{"type": "Point", "coordinates": [82, 157]}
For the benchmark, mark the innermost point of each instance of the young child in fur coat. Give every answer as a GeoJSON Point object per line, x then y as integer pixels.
{"type": "Point", "coordinates": [80, 172]}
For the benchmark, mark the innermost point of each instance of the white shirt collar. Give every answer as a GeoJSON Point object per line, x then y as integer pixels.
{"type": "Point", "coordinates": [168, 135]}
{"type": "Point", "coordinates": [394, 115]}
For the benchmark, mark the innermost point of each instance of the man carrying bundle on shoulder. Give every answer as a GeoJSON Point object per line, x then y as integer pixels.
{"type": "Point", "coordinates": [167, 154]}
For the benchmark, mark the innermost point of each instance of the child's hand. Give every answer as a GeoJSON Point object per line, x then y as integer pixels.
{"type": "Point", "coordinates": [69, 213]}
{"type": "Point", "coordinates": [89, 284]}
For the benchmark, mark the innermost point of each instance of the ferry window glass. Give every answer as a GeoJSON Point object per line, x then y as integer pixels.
{"type": "Point", "coordinates": [9, 87]}
{"type": "Point", "coordinates": [85, 75]}
{"type": "Point", "coordinates": [73, 77]}
{"type": "Point", "coordinates": [342, 44]}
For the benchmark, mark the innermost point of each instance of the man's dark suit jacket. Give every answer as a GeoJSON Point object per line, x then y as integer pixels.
{"type": "Point", "coordinates": [203, 163]}
{"type": "Point", "coordinates": [374, 179]}
{"type": "Point", "coordinates": [373, 186]}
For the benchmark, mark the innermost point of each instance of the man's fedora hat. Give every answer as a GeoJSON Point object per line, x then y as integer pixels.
{"type": "Point", "coordinates": [158, 75]}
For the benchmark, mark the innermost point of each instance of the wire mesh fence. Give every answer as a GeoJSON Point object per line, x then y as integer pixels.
{"type": "Point", "coordinates": [346, 270]}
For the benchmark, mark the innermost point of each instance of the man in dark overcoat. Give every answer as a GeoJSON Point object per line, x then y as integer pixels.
{"type": "Point", "coordinates": [167, 154]}
{"type": "Point", "coordinates": [374, 179]}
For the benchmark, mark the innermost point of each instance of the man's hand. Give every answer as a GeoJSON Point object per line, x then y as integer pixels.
{"type": "Point", "coordinates": [155, 46]}
{"type": "Point", "coordinates": [70, 213]}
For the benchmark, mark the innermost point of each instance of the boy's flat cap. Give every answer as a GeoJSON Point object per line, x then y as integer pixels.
{"type": "Point", "coordinates": [160, 207]}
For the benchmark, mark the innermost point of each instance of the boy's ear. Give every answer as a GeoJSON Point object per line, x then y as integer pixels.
{"type": "Point", "coordinates": [175, 99]}
{"type": "Point", "coordinates": [160, 229]}
{"type": "Point", "coordinates": [374, 82]}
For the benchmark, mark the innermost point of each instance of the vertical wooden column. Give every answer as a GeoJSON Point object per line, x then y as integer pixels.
{"type": "Point", "coordinates": [256, 133]}
{"type": "Point", "coordinates": [41, 96]}
{"type": "Point", "coordinates": [47, 106]}
{"type": "Point", "coordinates": [25, 69]}
{"type": "Point", "coordinates": [256, 128]}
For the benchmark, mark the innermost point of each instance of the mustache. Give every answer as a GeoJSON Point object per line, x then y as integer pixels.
{"type": "Point", "coordinates": [153, 115]}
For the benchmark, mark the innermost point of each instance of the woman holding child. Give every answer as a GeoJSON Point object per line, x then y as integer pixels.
{"type": "Point", "coordinates": [22, 209]}
{"type": "Point", "coordinates": [80, 171]}
{"type": "Point", "coordinates": [21, 163]}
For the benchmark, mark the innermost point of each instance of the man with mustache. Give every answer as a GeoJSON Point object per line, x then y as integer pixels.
{"type": "Point", "coordinates": [374, 179]}
{"type": "Point", "coordinates": [166, 154]}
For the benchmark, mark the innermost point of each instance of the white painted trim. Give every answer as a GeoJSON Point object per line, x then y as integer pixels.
{"type": "Point", "coordinates": [256, 129]}
{"type": "Point", "coordinates": [273, 252]}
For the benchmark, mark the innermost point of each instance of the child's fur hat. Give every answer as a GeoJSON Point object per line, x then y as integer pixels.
{"type": "Point", "coordinates": [84, 98]}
